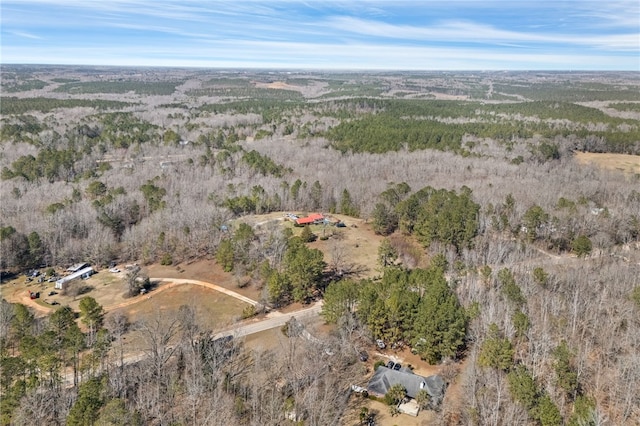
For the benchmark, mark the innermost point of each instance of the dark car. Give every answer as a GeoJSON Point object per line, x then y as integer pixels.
{"type": "Point", "coordinates": [363, 356]}
{"type": "Point", "coordinates": [390, 364]}
{"type": "Point", "coordinates": [397, 366]}
{"type": "Point", "coordinates": [53, 293]}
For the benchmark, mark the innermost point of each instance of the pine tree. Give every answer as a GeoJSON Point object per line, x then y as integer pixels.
{"type": "Point", "coordinates": [497, 351]}
{"type": "Point", "coordinates": [441, 323]}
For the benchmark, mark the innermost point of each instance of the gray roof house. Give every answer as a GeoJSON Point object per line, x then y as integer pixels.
{"type": "Point", "coordinates": [385, 377]}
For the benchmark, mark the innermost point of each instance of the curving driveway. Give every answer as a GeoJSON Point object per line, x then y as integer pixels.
{"type": "Point", "coordinates": [173, 282]}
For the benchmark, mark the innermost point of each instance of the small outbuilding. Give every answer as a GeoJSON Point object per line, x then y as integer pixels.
{"type": "Point", "coordinates": [75, 268]}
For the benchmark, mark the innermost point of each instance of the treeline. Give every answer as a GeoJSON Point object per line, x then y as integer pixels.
{"type": "Point", "coordinates": [122, 130]}
{"type": "Point", "coordinates": [288, 269]}
{"type": "Point", "coordinates": [271, 110]}
{"type": "Point", "coordinates": [23, 128]}
{"type": "Point", "coordinates": [263, 164]}
{"type": "Point", "coordinates": [139, 87]}
{"type": "Point", "coordinates": [54, 373]}
{"type": "Point", "coordinates": [16, 106]}
{"type": "Point", "coordinates": [254, 93]}
{"type": "Point", "coordinates": [414, 307]}
{"type": "Point", "coordinates": [34, 354]}
{"type": "Point", "coordinates": [625, 106]}
{"type": "Point", "coordinates": [394, 125]}
{"type": "Point", "coordinates": [428, 214]}
{"type": "Point", "coordinates": [50, 164]}
{"type": "Point", "coordinates": [569, 91]}
{"type": "Point", "coordinates": [22, 84]}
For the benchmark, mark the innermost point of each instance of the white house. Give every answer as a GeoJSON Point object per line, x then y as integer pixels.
{"type": "Point", "coordinates": [82, 273]}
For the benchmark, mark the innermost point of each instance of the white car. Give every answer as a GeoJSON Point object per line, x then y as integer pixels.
{"type": "Point", "coordinates": [114, 270]}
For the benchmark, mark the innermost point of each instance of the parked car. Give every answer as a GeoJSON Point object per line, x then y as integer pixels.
{"type": "Point", "coordinates": [364, 356]}
{"type": "Point", "coordinates": [53, 293]}
{"type": "Point", "coordinates": [397, 366]}
{"type": "Point", "coordinates": [380, 344]}
{"type": "Point", "coordinates": [390, 364]}
{"type": "Point", "coordinates": [358, 389]}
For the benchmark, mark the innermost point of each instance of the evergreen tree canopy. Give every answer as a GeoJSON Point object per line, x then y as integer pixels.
{"type": "Point", "coordinates": [440, 215]}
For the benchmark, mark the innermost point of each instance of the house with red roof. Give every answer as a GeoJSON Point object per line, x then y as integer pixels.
{"type": "Point", "coordinates": [312, 218]}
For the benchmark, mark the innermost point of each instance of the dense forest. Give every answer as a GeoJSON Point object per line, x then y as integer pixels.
{"type": "Point", "coordinates": [504, 260]}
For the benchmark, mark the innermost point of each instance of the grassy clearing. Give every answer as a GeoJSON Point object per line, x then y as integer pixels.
{"type": "Point", "coordinates": [214, 310]}
{"type": "Point", "coordinates": [621, 162]}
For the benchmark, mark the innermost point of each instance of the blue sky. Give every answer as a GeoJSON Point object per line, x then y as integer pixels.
{"type": "Point", "coordinates": [396, 35]}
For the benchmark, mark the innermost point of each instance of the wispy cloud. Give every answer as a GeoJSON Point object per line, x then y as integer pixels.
{"type": "Point", "coordinates": [362, 34]}
{"type": "Point", "coordinates": [329, 56]}
{"type": "Point", "coordinates": [26, 35]}
{"type": "Point", "coordinates": [471, 32]}
{"type": "Point", "coordinates": [615, 14]}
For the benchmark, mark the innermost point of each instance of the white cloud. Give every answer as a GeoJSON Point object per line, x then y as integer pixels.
{"type": "Point", "coordinates": [24, 34]}
{"type": "Point", "coordinates": [250, 54]}
{"type": "Point", "coordinates": [470, 32]}
{"type": "Point", "coordinates": [616, 14]}
{"type": "Point", "coordinates": [345, 34]}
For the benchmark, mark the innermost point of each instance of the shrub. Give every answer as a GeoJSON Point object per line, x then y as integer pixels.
{"type": "Point", "coordinates": [249, 312]}
{"type": "Point", "coordinates": [166, 260]}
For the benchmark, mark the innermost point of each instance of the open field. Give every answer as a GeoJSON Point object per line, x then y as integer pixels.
{"type": "Point", "coordinates": [106, 287]}
{"type": "Point", "coordinates": [620, 162]}
{"type": "Point", "coordinates": [214, 311]}
{"type": "Point", "coordinates": [356, 244]}
{"type": "Point", "coordinates": [109, 288]}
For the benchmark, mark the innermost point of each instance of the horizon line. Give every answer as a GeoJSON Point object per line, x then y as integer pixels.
{"type": "Point", "coordinates": [285, 69]}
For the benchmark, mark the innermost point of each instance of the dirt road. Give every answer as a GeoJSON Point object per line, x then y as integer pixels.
{"type": "Point", "coordinates": [172, 282]}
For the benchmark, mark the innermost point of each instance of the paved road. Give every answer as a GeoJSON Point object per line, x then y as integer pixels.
{"type": "Point", "coordinates": [273, 319]}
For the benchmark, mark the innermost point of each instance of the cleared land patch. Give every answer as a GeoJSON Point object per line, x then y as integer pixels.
{"type": "Point", "coordinates": [356, 244]}
{"type": "Point", "coordinates": [214, 310]}
{"type": "Point", "coordinates": [621, 162]}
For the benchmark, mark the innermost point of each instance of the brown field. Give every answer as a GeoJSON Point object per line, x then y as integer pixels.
{"type": "Point", "coordinates": [214, 310]}
{"type": "Point", "coordinates": [106, 287]}
{"type": "Point", "coordinates": [358, 243]}
{"type": "Point", "coordinates": [621, 162]}
{"type": "Point", "coordinates": [205, 270]}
